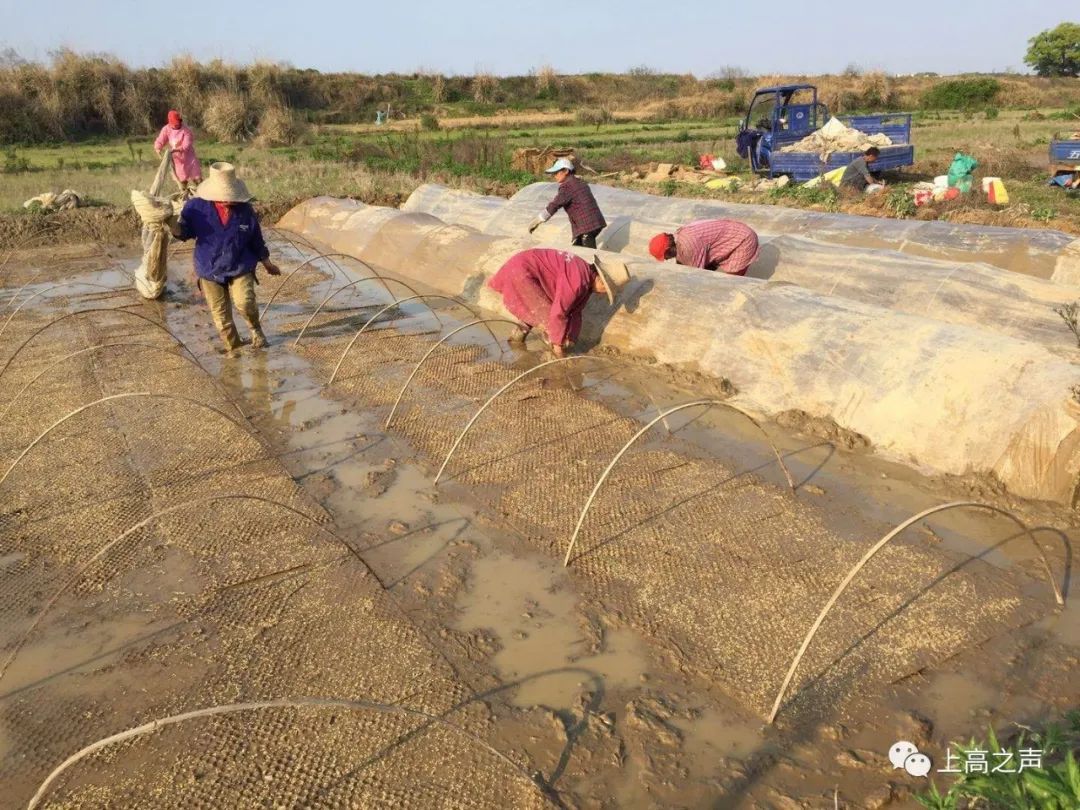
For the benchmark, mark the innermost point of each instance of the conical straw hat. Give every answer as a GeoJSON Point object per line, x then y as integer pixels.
{"type": "Point", "coordinates": [223, 185]}
{"type": "Point", "coordinates": [615, 274]}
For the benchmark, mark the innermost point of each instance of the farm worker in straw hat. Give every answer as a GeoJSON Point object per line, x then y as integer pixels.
{"type": "Point", "coordinates": [711, 244]}
{"type": "Point", "coordinates": [549, 289]}
{"type": "Point", "coordinates": [577, 198]}
{"type": "Point", "coordinates": [178, 138]}
{"type": "Point", "coordinates": [228, 245]}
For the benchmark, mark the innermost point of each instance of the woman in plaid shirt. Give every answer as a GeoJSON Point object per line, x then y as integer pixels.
{"type": "Point", "coordinates": [711, 244]}
{"type": "Point", "coordinates": [574, 195]}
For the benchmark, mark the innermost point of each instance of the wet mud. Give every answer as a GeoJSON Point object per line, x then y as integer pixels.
{"type": "Point", "coordinates": [639, 676]}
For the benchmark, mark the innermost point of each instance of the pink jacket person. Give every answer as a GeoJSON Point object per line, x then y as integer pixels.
{"type": "Point", "coordinates": [545, 287]}
{"type": "Point", "coordinates": [180, 140]}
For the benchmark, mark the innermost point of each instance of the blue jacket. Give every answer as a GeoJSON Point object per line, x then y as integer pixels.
{"type": "Point", "coordinates": [222, 252]}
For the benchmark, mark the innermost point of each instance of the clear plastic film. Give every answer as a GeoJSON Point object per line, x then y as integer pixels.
{"type": "Point", "coordinates": [949, 397]}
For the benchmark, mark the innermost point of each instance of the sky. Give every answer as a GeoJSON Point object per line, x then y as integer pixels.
{"type": "Point", "coordinates": [513, 37]}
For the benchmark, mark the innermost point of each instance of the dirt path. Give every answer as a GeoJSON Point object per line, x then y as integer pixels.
{"type": "Point", "coordinates": [639, 676]}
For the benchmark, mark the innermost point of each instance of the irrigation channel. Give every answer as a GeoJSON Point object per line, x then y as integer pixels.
{"type": "Point", "coordinates": [392, 562]}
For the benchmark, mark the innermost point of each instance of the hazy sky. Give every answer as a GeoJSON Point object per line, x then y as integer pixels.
{"type": "Point", "coordinates": [510, 37]}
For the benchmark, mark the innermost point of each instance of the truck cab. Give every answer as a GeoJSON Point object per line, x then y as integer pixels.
{"type": "Point", "coordinates": [783, 115]}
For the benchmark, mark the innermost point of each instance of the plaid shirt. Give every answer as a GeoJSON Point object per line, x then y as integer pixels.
{"type": "Point", "coordinates": [576, 197]}
{"type": "Point", "coordinates": [716, 243]}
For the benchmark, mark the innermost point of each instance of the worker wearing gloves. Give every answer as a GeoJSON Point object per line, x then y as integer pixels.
{"type": "Point", "coordinates": [711, 244]}
{"type": "Point", "coordinates": [228, 246]}
{"type": "Point", "coordinates": [549, 289]}
{"type": "Point", "coordinates": [576, 197]}
{"type": "Point", "coordinates": [179, 139]}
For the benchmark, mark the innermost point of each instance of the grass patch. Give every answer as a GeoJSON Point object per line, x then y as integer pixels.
{"type": "Point", "coordinates": [1053, 786]}
{"type": "Point", "coordinates": [823, 195]}
{"type": "Point", "coordinates": [334, 157]}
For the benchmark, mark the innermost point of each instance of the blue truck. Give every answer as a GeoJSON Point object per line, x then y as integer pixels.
{"type": "Point", "coordinates": [1064, 156]}
{"type": "Point", "coordinates": [780, 116]}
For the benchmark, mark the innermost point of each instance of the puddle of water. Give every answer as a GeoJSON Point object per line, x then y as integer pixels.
{"type": "Point", "coordinates": [85, 648]}
{"type": "Point", "coordinates": [1065, 624]}
{"type": "Point", "coordinates": [413, 530]}
{"type": "Point", "coordinates": [711, 736]}
{"type": "Point", "coordinates": [950, 700]}
{"type": "Point", "coordinates": [527, 603]}
{"type": "Point", "coordinates": [93, 639]}
{"type": "Point", "coordinates": [393, 501]}
{"type": "Point", "coordinates": [110, 278]}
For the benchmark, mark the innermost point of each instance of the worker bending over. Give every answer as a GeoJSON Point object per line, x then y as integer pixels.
{"type": "Point", "coordinates": [711, 244]}
{"type": "Point", "coordinates": [857, 175]}
{"type": "Point", "coordinates": [548, 289]}
{"type": "Point", "coordinates": [577, 198]}
{"type": "Point", "coordinates": [228, 246]}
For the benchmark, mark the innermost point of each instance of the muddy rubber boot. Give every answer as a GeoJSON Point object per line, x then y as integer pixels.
{"type": "Point", "coordinates": [231, 340]}
{"type": "Point", "coordinates": [517, 337]}
{"type": "Point", "coordinates": [258, 339]}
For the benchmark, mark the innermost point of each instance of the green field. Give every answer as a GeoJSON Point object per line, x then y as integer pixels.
{"type": "Point", "coordinates": [383, 165]}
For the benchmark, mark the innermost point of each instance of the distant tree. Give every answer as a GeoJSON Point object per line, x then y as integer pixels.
{"type": "Point", "coordinates": [1056, 51]}
{"type": "Point", "coordinates": [728, 73]}
{"type": "Point", "coordinates": [9, 58]}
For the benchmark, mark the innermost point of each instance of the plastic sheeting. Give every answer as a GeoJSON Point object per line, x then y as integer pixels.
{"type": "Point", "coordinates": [950, 398]}
{"type": "Point", "coordinates": [963, 293]}
{"type": "Point", "coordinates": [1043, 253]}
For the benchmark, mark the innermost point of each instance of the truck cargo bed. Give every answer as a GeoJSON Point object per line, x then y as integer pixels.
{"type": "Point", "coordinates": [1064, 156]}
{"type": "Point", "coordinates": [802, 166]}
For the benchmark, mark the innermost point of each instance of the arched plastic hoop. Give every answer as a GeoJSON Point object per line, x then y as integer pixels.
{"type": "Point", "coordinates": [575, 358]}
{"type": "Point", "coordinates": [696, 403]}
{"type": "Point", "coordinates": [53, 227]}
{"type": "Point", "coordinates": [42, 230]}
{"type": "Point", "coordinates": [112, 310]}
{"type": "Point", "coordinates": [112, 397]}
{"type": "Point", "coordinates": [390, 306]}
{"type": "Point", "coordinates": [150, 346]}
{"type": "Point", "coordinates": [351, 284]}
{"type": "Point", "coordinates": [101, 552]}
{"type": "Point", "coordinates": [15, 295]}
{"type": "Point", "coordinates": [497, 394]}
{"type": "Point", "coordinates": [282, 703]}
{"type": "Point", "coordinates": [51, 287]}
{"type": "Point", "coordinates": [874, 550]}
{"type": "Point", "coordinates": [441, 340]}
{"type": "Point", "coordinates": [11, 299]}
{"type": "Point", "coordinates": [115, 264]}
{"type": "Point", "coordinates": [307, 263]}
{"type": "Point", "coordinates": [297, 240]}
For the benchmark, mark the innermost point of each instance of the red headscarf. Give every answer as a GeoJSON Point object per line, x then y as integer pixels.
{"type": "Point", "coordinates": [174, 119]}
{"type": "Point", "coordinates": [658, 246]}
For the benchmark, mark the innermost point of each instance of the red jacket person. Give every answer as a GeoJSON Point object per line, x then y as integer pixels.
{"type": "Point", "coordinates": [711, 244]}
{"type": "Point", "coordinates": [577, 198]}
{"type": "Point", "coordinates": [549, 289]}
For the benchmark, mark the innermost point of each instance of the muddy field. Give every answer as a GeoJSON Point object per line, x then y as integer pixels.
{"type": "Point", "coordinates": [239, 547]}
